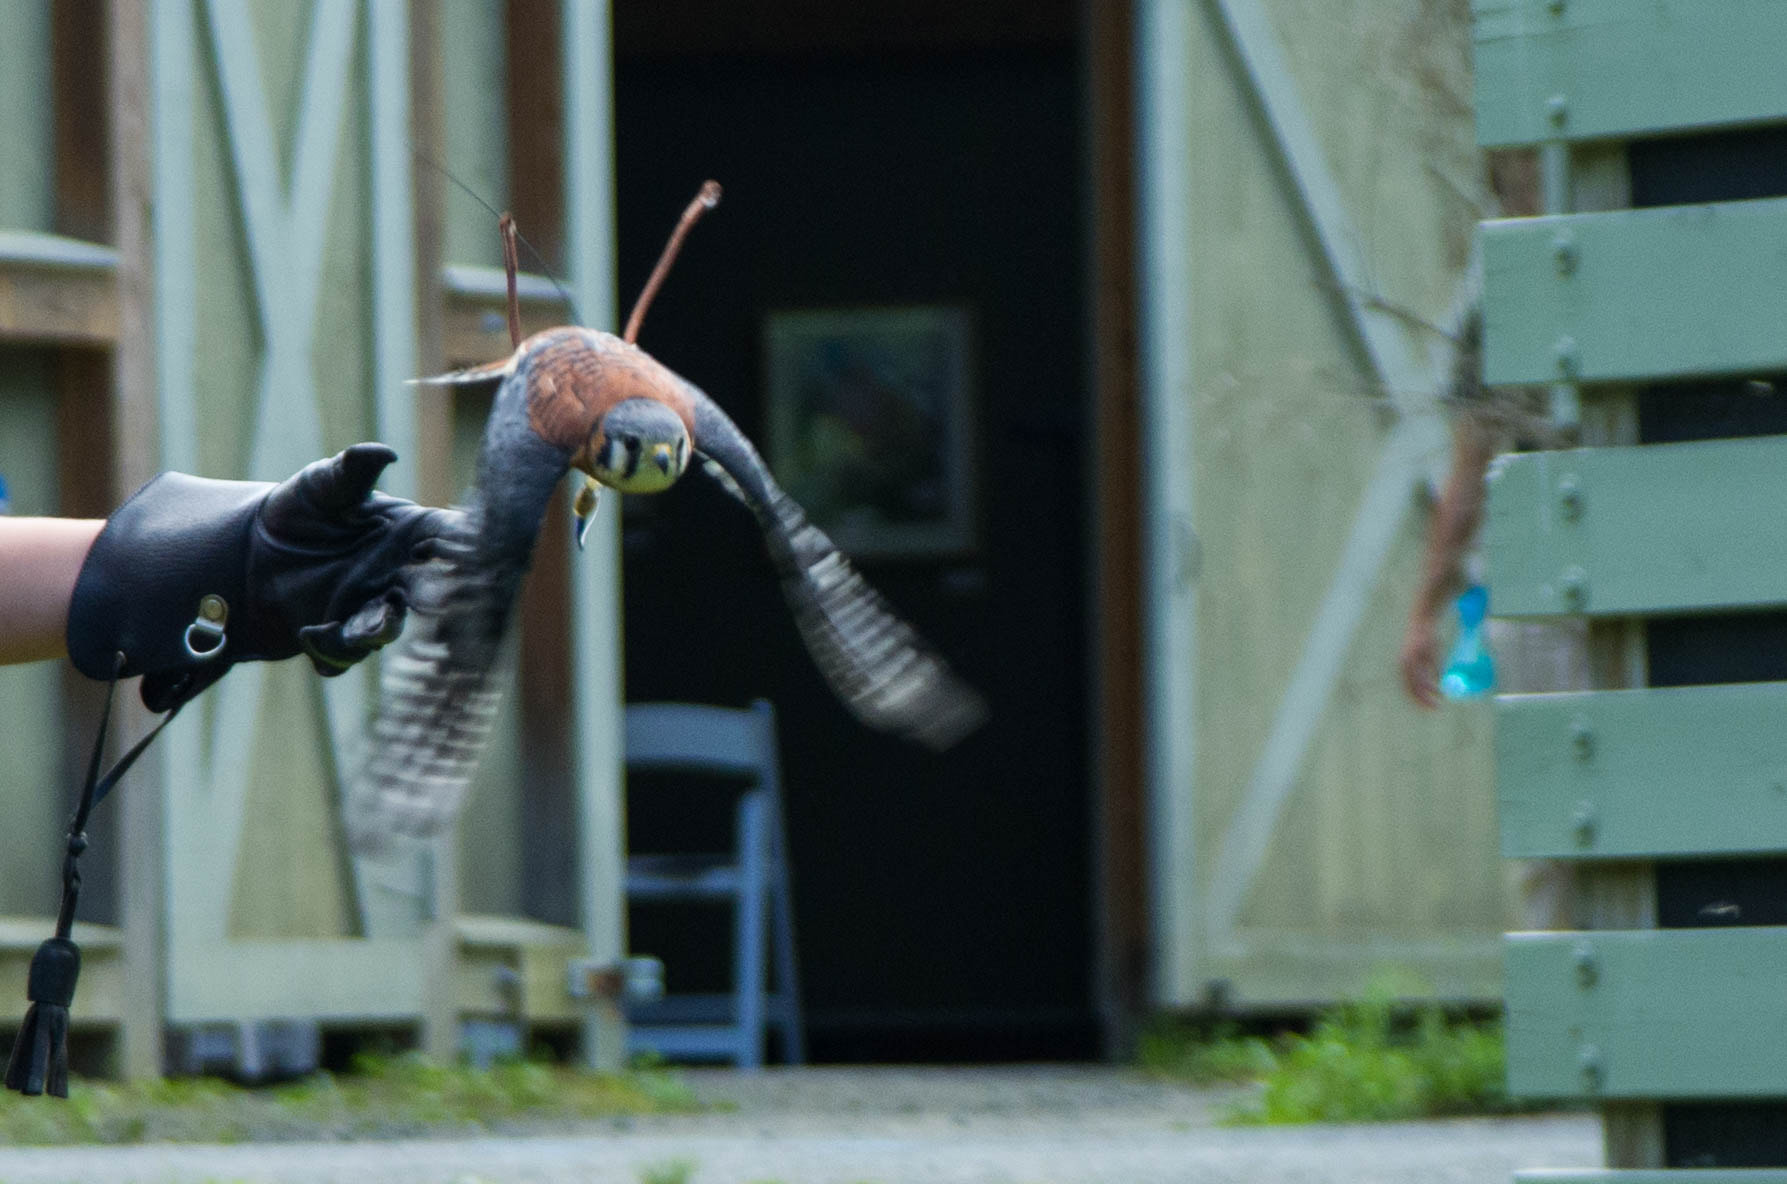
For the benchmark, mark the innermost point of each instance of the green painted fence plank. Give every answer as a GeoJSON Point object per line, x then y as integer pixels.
{"type": "Point", "coordinates": [1629, 531]}
{"type": "Point", "coordinates": [1610, 774]}
{"type": "Point", "coordinates": [1612, 69]}
{"type": "Point", "coordinates": [1652, 1176]}
{"type": "Point", "coordinates": [1679, 1013]}
{"type": "Point", "coordinates": [1629, 295]}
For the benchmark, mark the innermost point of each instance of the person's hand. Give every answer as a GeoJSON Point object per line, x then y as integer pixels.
{"type": "Point", "coordinates": [1419, 663]}
{"type": "Point", "coordinates": [193, 575]}
{"type": "Point", "coordinates": [331, 561]}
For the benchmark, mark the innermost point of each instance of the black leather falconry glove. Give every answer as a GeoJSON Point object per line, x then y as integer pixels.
{"type": "Point", "coordinates": [192, 575]}
{"type": "Point", "coordinates": [189, 577]}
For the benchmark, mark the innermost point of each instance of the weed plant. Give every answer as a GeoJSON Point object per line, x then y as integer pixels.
{"type": "Point", "coordinates": [1370, 1060]}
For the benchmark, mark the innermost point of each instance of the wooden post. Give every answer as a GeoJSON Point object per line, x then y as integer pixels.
{"type": "Point", "coordinates": [134, 426]}
{"type": "Point", "coordinates": [1122, 925]}
{"type": "Point", "coordinates": [434, 414]}
{"type": "Point", "coordinates": [1620, 895]}
{"type": "Point", "coordinates": [587, 62]}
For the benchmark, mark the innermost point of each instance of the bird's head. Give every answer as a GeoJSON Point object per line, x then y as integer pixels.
{"type": "Point", "coordinates": [639, 446]}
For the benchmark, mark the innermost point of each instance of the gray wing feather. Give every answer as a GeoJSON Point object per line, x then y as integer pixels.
{"type": "Point", "coordinates": [877, 663]}
{"type": "Point", "coordinates": [440, 687]}
{"type": "Point", "coordinates": [441, 683]}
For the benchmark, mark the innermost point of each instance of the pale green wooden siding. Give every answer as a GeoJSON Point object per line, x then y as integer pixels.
{"type": "Point", "coordinates": [32, 794]}
{"type": "Point", "coordinates": [1655, 529]}
{"type": "Point", "coordinates": [27, 182]}
{"type": "Point", "coordinates": [1661, 293]}
{"type": "Point", "coordinates": [1384, 856]}
{"type": "Point", "coordinates": [474, 89]}
{"type": "Point", "coordinates": [289, 876]}
{"type": "Point", "coordinates": [1606, 774]}
{"type": "Point", "coordinates": [228, 334]}
{"type": "Point", "coordinates": [474, 82]}
{"type": "Point", "coordinates": [342, 357]}
{"type": "Point", "coordinates": [1639, 1014]}
{"type": "Point", "coordinates": [1604, 69]}
{"type": "Point", "coordinates": [290, 879]}
{"type": "Point", "coordinates": [1683, 1013]}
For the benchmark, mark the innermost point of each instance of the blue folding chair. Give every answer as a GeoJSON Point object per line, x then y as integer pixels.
{"type": "Point", "coordinates": [753, 877]}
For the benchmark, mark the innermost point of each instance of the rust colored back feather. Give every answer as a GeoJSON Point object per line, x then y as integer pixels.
{"type": "Point", "coordinates": [575, 375]}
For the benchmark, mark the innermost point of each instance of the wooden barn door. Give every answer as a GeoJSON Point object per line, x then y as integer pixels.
{"type": "Point", "coordinates": [294, 298]}
{"type": "Point", "coordinates": [285, 289]}
{"type": "Point", "coordinates": [1309, 184]}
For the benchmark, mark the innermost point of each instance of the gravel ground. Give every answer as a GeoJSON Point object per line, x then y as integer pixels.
{"type": "Point", "coordinates": [885, 1126]}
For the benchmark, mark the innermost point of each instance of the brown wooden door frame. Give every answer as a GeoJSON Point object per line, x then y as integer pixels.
{"type": "Point", "coordinates": [1120, 921]}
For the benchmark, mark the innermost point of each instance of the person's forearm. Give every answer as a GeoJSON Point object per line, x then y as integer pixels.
{"type": "Point", "coordinates": [39, 560]}
{"type": "Point", "coordinates": [1455, 522]}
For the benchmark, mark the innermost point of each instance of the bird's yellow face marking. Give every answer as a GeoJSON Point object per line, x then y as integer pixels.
{"type": "Point", "coordinates": [641, 446]}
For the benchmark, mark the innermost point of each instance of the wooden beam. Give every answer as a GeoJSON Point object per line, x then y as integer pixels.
{"type": "Point", "coordinates": [1163, 32]}
{"type": "Point", "coordinates": [1566, 526]}
{"type": "Point", "coordinates": [133, 423]}
{"type": "Point", "coordinates": [1630, 774]}
{"type": "Point", "coordinates": [1621, 895]}
{"type": "Point", "coordinates": [1640, 1014]}
{"type": "Point", "coordinates": [595, 690]}
{"type": "Point", "coordinates": [1608, 69]}
{"type": "Point", "coordinates": [1120, 854]}
{"type": "Point", "coordinates": [83, 380]}
{"type": "Point", "coordinates": [56, 291]}
{"type": "Point", "coordinates": [536, 110]}
{"type": "Point", "coordinates": [434, 417]}
{"type": "Point", "coordinates": [476, 328]}
{"type": "Point", "coordinates": [81, 111]}
{"type": "Point", "coordinates": [547, 790]}
{"type": "Point", "coordinates": [394, 278]}
{"type": "Point", "coordinates": [1634, 295]}
{"type": "Point", "coordinates": [105, 988]}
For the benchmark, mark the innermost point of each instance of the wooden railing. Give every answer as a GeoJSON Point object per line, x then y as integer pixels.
{"type": "Point", "coordinates": [1667, 1007]}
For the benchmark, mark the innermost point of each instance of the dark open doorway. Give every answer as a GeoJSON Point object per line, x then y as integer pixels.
{"type": "Point", "coordinates": [886, 155]}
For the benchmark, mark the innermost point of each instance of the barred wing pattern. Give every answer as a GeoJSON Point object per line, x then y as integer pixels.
{"type": "Point", "coordinates": [875, 662]}
{"type": "Point", "coordinates": [434, 718]}
{"type": "Point", "coordinates": [441, 684]}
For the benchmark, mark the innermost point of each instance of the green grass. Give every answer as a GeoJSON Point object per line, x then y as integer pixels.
{"type": "Point", "coordinates": [1366, 1061]}
{"type": "Point", "coordinates": [674, 1171]}
{"type": "Point", "coordinates": [383, 1097]}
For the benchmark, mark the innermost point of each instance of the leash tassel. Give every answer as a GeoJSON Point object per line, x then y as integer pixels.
{"type": "Point", "coordinates": [39, 1061]}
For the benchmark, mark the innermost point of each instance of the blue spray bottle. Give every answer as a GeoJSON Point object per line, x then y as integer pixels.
{"type": "Point", "coordinates": [1470, 671]}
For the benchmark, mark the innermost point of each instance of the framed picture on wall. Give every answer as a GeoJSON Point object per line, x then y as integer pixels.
{"type": "Point", "coordinates": [871, 425]}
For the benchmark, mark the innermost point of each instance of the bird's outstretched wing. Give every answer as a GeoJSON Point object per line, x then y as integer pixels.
{"type": "Point", "coordinates": [441, 683]}
{"type": "Point", "coordinates": [439, 689]}
{"type": "Point", "coordinates": [878, 665]}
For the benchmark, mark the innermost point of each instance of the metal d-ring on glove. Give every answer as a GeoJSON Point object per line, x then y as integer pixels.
{"type": "Point", "coordinates": [320, 564]}
{"type": "Point", "coordinates": [207, 629]}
